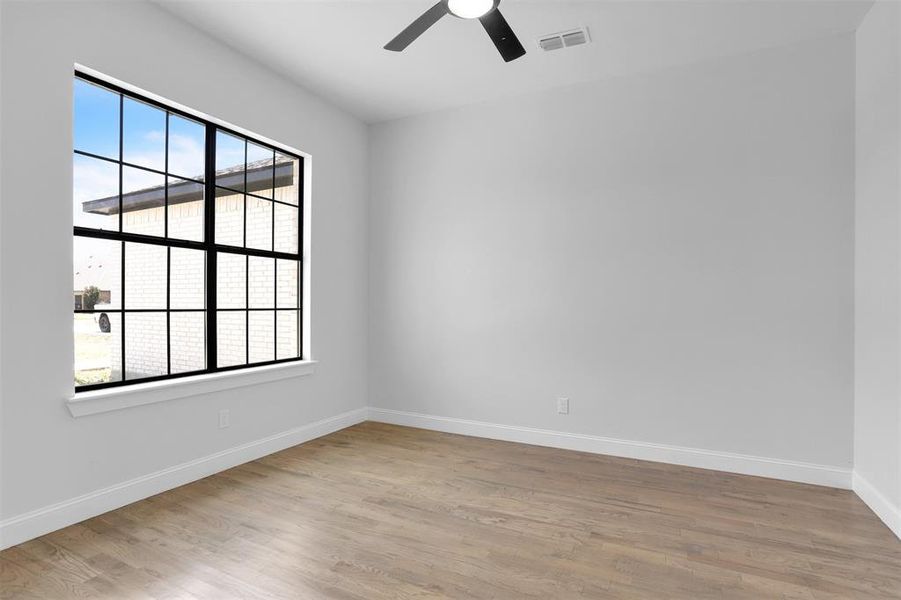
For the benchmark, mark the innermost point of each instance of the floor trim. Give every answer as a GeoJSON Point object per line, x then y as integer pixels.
{"type": "Point", "coordinates": [826, 475]}
{"type": "Point", "coordinates": [878, 503]}
{"type": "Point", "coordinates": [44, 520]}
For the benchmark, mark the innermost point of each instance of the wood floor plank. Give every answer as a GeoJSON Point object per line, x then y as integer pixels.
{"type": "Point", "coordinates": [378, 511]}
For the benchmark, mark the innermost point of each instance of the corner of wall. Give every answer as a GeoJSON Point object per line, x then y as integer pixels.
{"type": "Point", "coordinates": [877, 340]}
{"type": "Point", "coordinates": [888, 512]}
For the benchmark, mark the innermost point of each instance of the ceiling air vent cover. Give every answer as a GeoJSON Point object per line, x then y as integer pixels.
{"type": "Point", "coordinates": [564, 39]}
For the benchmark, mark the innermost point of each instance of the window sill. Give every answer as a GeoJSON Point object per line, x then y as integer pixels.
{"type": "Point", "coordinates": [101, 401]}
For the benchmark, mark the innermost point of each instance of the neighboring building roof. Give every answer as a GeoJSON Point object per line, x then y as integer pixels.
{"type": "Point", "coordinates": [259, 177]}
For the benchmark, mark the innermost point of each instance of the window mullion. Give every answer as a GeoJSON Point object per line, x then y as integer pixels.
{"type": "Point", "coordinates": [168, 252]}
{"type": "Point", "coordinates": [123, 318]}
{"type": "Point", "coordinates": [209, 214]}
{"type": "Point", "coordinates": [246, 269]}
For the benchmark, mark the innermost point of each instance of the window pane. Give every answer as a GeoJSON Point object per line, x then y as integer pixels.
{"type": "Point", "coordinates": [259, 223]}
{"type": "Point", "coordinates": [143, 134]}
{"type": "Point", "coordinates": [98, 352]}
{"type": "Point", "coordinates": [259, 170]}
{"type": "Point", "coordinates": [96, 120]}
{"type": "Point", "coordinates": [286, 228]}
{"type": "Point", "coordinates": [186, 209]}
{"type": "Point", "coordinates": [145, 345]}
{"type": "Point", "coordinates": [187, 276]}
{"type": "Point", "coordinates": [261, 284]}
{"type": "Point", "coordinates": [287, 170]}
{"type": "Point", "coordinates": [231, 341]}
{"type": "Point", "coordinates": [97, 274]}
{"type": "Point", "coordinates": [262, 335]}
{"type": "Point", "coordinates": [286, 334]}
{"type": "Point", "coordinates": [143, 202]}
{"type": "Point", "coordinates": [146, 317]}
{"type": "Point", "coordinates": [187, 341]}
{"type": "Point", "coordinates": [286, 273]}
{"type": "Point", "coordinates": [187, 147]}
{"type": "Point", "coordinates": [229, 218]}
{"type": "Point", "coordinates": [231, 280]}
{"type": "Point", "coordinates": [95, 193]}
{"type": "Point", "coordinates": [229, 161]}
{"type": "Point", "coordinates": [145, 276]}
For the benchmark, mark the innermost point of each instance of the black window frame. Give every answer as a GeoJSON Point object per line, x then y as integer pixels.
{"type": "Point", "coordinates": [209, 246]}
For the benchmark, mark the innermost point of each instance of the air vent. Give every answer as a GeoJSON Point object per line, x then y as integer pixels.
{"type": "Point", "coordinates": [551, 43]}
{"type": "Point", "coordinates": [575, 38]}
{"type": "Point", "coordinates": [564, 39]}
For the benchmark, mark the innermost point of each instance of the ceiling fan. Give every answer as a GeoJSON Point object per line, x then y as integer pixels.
{"type": "Point", "coordinates": [484, 10]}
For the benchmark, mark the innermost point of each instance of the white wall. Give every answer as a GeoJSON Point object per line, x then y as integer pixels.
{"type": "Point", "coordinates": [47, 456]}
{"type": "Point", "coordinates": [877, 408]}
{"type": "Point", "coordinates": [673, 252]}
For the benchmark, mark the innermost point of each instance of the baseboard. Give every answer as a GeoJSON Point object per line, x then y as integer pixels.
{"type": "Point", "coordinates": [42, 521]}
{"type": "Point", "coordinates": [45, 520]}
{"type": "Point", "coordinates": [826, 475]}
{"type": "Point", "coordinates": [878, 503]}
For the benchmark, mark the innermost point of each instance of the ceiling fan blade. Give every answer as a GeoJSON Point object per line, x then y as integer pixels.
{"type": "Point", "coordinates": [502, 35]}
{"type": "Point", "coordinates": [417, 27]}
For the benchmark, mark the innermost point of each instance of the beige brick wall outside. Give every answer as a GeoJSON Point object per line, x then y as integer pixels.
{"type": "Point", "coordinates": [269, 282]}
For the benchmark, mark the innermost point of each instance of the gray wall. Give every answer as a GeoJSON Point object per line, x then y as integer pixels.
{"type": "Point", "coordinates": [877, 414]}
{"type": "Point", "coordinates": [47, 456]}
{"type": "Point", "coordinates": [673, 252]}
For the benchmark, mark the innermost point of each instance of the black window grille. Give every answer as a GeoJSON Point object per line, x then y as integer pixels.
{"type": "Point", "coordinates": [188, 243]}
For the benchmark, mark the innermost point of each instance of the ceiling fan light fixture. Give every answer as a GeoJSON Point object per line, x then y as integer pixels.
{"type": "Point", "coordinates": [491, 19]}
{"type": "Point", "coordinates": [470, 9]}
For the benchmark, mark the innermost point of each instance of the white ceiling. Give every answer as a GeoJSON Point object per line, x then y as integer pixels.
{"type": "Point", "coordinates": [334, 48]}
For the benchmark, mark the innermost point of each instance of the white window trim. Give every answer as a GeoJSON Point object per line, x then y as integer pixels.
{"type": "Point", "coordinates": [117, 398]}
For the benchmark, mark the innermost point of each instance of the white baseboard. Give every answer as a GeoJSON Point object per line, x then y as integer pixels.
{"type": "Point", "coordinates": [44, 520]}
{"type": "Point", "coordinates": [878, 503]}
{"type": "Point", "coordinates": [831, 476]}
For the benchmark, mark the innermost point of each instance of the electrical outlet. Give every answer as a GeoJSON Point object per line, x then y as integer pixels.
{"type": "Point", "coordinates": [563, 406]}
{"type": "Point", "coordinates": [224, 419]}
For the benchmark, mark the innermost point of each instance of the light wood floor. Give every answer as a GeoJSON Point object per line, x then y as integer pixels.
{"type": "Point", "coordinates": [378, 511]}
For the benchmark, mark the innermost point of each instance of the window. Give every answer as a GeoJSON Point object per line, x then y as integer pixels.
{"type": "Point", "coordinates": [187, 249]}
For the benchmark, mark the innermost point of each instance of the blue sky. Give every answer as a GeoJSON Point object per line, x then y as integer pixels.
{"type": "Point", "coordinates": [96, 130]}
